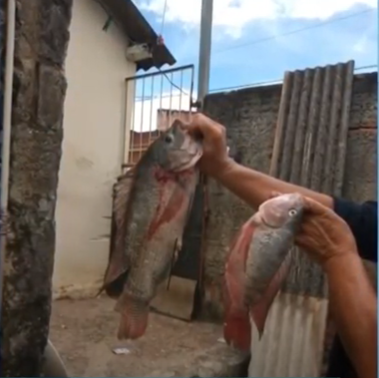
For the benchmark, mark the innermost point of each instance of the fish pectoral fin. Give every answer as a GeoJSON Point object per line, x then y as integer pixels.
{"type": "Point", "coordinates": [114, 289]}
{"type": "Point", "coordinates": [115, 275]}
{"type": "Point", "coordinates": [259, 311]}
{"type": "Point", "coordinates": [134, 317]}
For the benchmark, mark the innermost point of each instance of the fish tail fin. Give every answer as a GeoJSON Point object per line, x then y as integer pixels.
{"type": "Point", "coordinates": [237, 330]}
{"type": "Point", "coordinates": [134, 317]}
{"type": "Point", "coordinates": [260, 311]}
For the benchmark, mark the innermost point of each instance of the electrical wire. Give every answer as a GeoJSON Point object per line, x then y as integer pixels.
{"type": "Point", "coordinates": [160, 37]}
{"type": "Point", "coordinates": [300, 30]}
{"type": "Point", "coordinates": [257, 41]}
{"type": "Point", "coordinates": [163, 16]}
{"type": "Point", "coordinates": [254, 84]}
{"type": "Point", "coordinates": [272, 82]}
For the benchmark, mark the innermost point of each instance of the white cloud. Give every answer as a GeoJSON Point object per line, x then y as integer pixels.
{"type": "Point", "coordinates": [233, 15]}
{"type": "Point", "coordinates": [364, 42]}
{"type": "Point", "coordinates": [145, 112]}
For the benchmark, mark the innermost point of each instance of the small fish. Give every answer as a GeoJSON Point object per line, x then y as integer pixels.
{"type": "Point", "coordinates": [257, 265]}
{"type": "Point", "coordinates": [149, 231]}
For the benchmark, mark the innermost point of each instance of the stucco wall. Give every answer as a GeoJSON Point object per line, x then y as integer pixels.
{"type": "Point", "coordinates": [96, 67]}
{"type": "Point", "coordinates": [250, 118]}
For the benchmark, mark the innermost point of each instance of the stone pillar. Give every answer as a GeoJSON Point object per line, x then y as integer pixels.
{"type": "Point", "coordinates": [42, 36]}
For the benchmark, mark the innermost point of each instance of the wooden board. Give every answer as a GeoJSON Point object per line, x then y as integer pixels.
{"type": "Point", "coordinates": [176, 300]}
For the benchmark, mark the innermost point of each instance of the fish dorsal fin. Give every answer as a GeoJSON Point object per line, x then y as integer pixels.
{"type": "Point", "coordinates": [117, 265]}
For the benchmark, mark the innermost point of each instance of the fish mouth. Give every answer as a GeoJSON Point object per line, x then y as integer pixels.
{"type": "Point", "coordinates": [270, 216]}
{"type": "Point", "coordinates": [261, 219]}
{"type": "Point", "coordinates": [276, 212]}
{"type": "Point", "coordinates": [190, 163]}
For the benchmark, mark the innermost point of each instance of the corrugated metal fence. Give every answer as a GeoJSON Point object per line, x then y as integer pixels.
{"type": "Point", "coordinates": [309, 149]}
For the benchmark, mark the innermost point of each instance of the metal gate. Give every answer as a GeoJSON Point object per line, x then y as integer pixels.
{"type": "Point", "coordinates": [153, 101]}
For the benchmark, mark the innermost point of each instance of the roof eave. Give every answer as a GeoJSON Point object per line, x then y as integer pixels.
{"type": "Point", "coordinates": [139, 31]}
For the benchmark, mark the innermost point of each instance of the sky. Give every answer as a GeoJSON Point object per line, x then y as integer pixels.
{"type": "Point", "coordinates": [256, 41]}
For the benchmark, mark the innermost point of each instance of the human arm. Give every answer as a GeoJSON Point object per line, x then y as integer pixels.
{"type": "Point", "coordinates": [363, 222]}
{"type": "Point", "coordinates": [353, 303]}
{"type": "Point", "coordinates": [251, 186]}
{"type": "Point", "coordinates": [254, 187]}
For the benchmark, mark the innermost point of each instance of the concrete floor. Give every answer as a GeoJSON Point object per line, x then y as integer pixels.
{"type": "Point", "coordinates": [84, 333]}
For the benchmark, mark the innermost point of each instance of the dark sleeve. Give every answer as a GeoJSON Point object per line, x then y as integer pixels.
{"type": "Point", "coordinates": [363, 222]}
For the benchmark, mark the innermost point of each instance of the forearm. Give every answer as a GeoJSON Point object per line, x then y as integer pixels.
{"type": "Point", "coordinates": [353, 304]}
{"type": "Point", "coordinates": [255, 187]}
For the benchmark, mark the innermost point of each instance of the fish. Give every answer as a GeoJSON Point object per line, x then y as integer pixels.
{"type": "Point", "coordinates": [159, 191]}
{"type": "Point", "coordinates": [257, 265]}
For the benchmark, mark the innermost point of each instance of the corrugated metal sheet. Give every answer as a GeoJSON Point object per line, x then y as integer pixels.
{"type": "Point", "coordinates": [309, 149]}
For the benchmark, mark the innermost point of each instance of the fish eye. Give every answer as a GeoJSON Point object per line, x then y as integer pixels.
{"type": "Point", "coordinates": [292, 212]}
{"type": "Point", "coordinates": [169, 138]}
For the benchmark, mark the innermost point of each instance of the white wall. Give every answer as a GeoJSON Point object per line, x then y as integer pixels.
{"type": "Point", "coordinates": [93, 122]}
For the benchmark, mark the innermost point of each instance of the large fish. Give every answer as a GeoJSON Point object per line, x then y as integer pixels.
{"type": "Point", "coordinates": [159, 196]}
{"type": "Point", "coordinates": [257, 265]}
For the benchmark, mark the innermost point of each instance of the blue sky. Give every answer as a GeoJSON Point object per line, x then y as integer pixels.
{"type": "Point", "coordinates": [255, 41]}
{"type": "Point", "coordinates": [333, 36]}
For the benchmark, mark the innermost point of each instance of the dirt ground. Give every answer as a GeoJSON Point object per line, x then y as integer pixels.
{"type": "Point", "coordinates": [84, 333]}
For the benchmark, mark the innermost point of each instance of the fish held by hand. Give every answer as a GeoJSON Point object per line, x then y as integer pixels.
{"type": "Point", "coordinates": [257, 266]}
{"type": "Point", "coordinates": [159, 201]}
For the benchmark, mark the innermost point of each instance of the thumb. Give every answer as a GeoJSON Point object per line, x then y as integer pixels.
{"type": "Point", "coordinates": [314, 207]}
{"type": "Point", "coordinates": [274, 194]}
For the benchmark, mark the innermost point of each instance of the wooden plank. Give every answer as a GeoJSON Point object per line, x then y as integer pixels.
{"type": "Point", "coordinates": [176, 299]}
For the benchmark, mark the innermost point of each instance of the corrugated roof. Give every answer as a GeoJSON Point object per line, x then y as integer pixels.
{"type": "Point", "coordinates": [138, 30]}
{"type": "Point", "coordinates": [309, 150]}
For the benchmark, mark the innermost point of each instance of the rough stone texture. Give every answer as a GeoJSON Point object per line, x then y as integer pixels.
{"type": "Point", "coordinates": [84, 332]}
{"type": "Point", "coordinates": [250, 118]}
{"type": "Point", "coordinates": [217, 361]}
{"type": "Point", "coordinates": [361, 164]}
{"type": "Point", "coordinates": [39, 91]}
{"type": "Point", "coordinates": [364, 102]}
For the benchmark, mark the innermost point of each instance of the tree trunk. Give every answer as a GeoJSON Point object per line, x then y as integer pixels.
{"type": "Point", "coordinates": [42, 35]}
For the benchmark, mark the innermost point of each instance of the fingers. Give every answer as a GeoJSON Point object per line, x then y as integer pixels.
{"type": "Point", "coordinates": [208, 128]}
{"type": "Point", "coordinates": [314, 207]}
{"type": "Point", "coordinates": [274, 194]}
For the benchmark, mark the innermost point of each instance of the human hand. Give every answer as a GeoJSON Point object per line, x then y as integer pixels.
{"type": "Point", "coordinates": [215, 153]}
{"type": "Point", "coordinates": [323, 234]}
